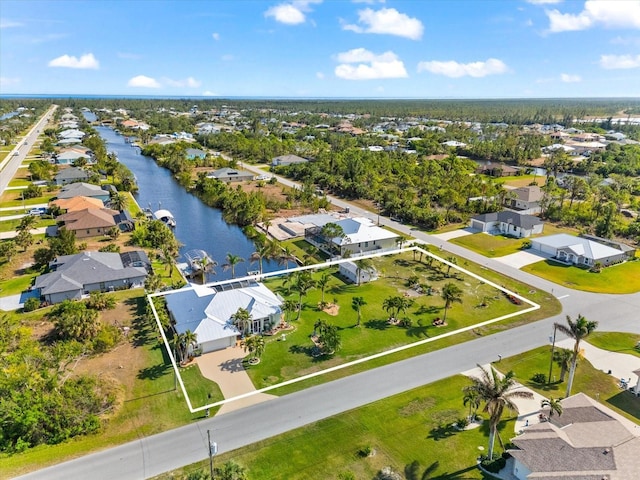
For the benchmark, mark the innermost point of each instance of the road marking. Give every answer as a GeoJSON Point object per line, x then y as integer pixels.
{"type": "Point", "coordinates": [563, 296]}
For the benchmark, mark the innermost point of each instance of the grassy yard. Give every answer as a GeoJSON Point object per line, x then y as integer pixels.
{"type": "Point", "coordinates": [622, 278]}
{"type": "Point", "coordinates": [589, 380]}
{"type": "Point", "coordinates": [413, 426]}
{"type": "Point", "coordinates": [292, 358]}
{"type": "Point", "coordinates": [616, 342]}
{"type": "Point", "coordinates": [13, 286]}
{"type": "Point", "coordinates": [149, 403]}
{"type": "Point", "coordinates": [10, 225]}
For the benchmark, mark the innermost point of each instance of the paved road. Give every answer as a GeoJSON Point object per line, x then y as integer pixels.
{"type": "Point", "coordinates": [9, 166]}
{"type": "Point", "coordinates": [153, 455]}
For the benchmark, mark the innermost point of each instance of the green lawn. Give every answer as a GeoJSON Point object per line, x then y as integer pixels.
{"type": "Point", "coordinates": [19, 284]}
{"type": "Point", "coordinates": [489, 245]}
{"type": "Point", "coordinates": [621, 278]}
{"type": "Point", "coordinates": [589, 380]}
{"type": "Point", "coordinates": [292, 358]}
{"type": "Point", "coordinates": [415, 425]}
{"type": "Point", "coordinates": [10, 225]}
{"type": "Point", "coordinates": [616, 342]}
{"type": "Point", "coordinates": [150, 406]}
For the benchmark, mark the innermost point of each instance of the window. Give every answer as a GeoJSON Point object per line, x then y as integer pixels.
{"type": "Point", "coordinates": [366, 244]}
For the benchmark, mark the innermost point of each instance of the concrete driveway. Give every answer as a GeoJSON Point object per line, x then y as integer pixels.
{"type": "Point", "coordinates": [225, 368]}
{"type": "Point", "coordinates": [522, 259]}
{"type": "Point", "coordinates": [462, 232]}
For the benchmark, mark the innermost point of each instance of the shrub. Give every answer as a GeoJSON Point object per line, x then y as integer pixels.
{"type": "Point", "coordinates": [30, 304]}
{"type": "Point", "coordinates": [100, 301]}
{"type": "Point", "coordinates": [495, 465]}
{"type": "Point", "coordinates": [108, 337]}
{"type": "Point", "coordinates": [462, 423]}
{"type": "Point", "coordinates": [526, 244]}
{"type": "Point", "coordinates": [539, 378]}
{"type": "Point", "coordinates": [365, 451]}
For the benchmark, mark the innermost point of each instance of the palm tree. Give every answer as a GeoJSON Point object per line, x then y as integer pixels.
{"type": "Point", "coordinates": [497, 393]}
{"type": "Point", "coordinates": [578, 330]}
{"type": "Point", "coordinates": [451, 293]}
{"type": "Point", "coordinates": [453, 261]}
{"type": "Point", "coordinates": [357, 303]}
{"type": "Point", "coordinates": [302, 284]}
{"type": "Point", "coordinates": [242, 320]}
{"type": "Point", "coordinates": [232, 261]}
{"type": "Point", "coordinates": [188, 339]}
{"type": "Point", "coordinates": [153, 283]}
{"type": "Point", "coordinates": [206, 266]}
{"type": "Point", "coordinates": [392, 306]}
{"type": "Point", "coordinates": [288, 306]}
{"type": "Point", "coordinates": [400, 241]}
{"type": "Point", "coordinates": [169, 255]}
{"type": "Point", "coordinates": [562, 357]}
{"type": "Point", "coordinates": [285, 256]}
{"type": "Point", "coordinates": [254, 344]}
{"type": "Point", "coordinates": [471, 398]}
{"type": "Point", "coordinates": [322, 283]}
{"type": "Point", "coordinates": [265, 251]}
{"type": "Point", "coordinates": [230, 471]}
{"type": "Point", "coordinates": [118, 201]}
{"type": "Point", "coordinates": [363, 265]}
{"type": "Point", "coordinates": [554, 404]}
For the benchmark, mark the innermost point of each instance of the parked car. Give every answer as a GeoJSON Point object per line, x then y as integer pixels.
{"type": "Point", "coordinates": [37, 211]}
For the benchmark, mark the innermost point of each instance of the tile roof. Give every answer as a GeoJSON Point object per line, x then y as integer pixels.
{"type": "Point", "coordinates": [88, 218]}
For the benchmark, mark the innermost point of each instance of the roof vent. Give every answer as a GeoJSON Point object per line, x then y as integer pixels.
{"type": "Point", "coordinates": [606, 451]}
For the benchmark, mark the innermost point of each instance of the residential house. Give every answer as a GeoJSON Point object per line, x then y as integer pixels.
{"type": "Point", "coordinates": [286, 160]}
{"type": "Point", "coordinates": [207, 312]}
{"type": "Point", "coordinates": [351, 272]}
{"type": "Point", "coordinates": [588, 441]}
{"type": "Point", "coordinates": [508, 223]}
{"type": "Point", "coordinates": [496, 169]}
{"type": "Point", "coordinates": [90, 222]}
{"type": "Point", "coordinates": [229, 175]}
{"type": "Point", "coordinates": [73, 276]}
{"type": "Point", "coordinates": [71, 133]}
{"type": "Point", "coordinates": [69, 156]}
{"type": "Point", "coordinates": [359, 235]}
{"type": "Point", "coordinates": [195, 154]}
{"type": "Point", "coordinates": [74, 204]}
{"type": "Point", "coordinates": [454, 144]}
{"type": "Point", "coordinates": [524, 199]}
{"type": "Point", "coordinates": [83, 189]}
{"type": "Point", "coordinates": [71, 175]}
{"type": "Point", "coordinates": [580, 250]}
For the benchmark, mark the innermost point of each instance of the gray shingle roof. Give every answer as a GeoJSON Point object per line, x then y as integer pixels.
{"type": "Point", "coordinates": [523, 221]}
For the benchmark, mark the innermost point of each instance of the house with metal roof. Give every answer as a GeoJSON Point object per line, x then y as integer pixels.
{"type": "Point", "coordinates": [579, 250]}
{"type": "Point", "coordinates": [507, 223]}
{"type": "Point", "coordinates": [71, 175]}
{"type": "Point", "coordinates": [207, 311]}
{"type": "Point", "coordinates": [588, 441]}
{"type": "Point", "coordinates": [229, 175]}
{"type": "Point", "coordinates": [72, 276]}
{"type": "Point", "coordinates": [84, 189]}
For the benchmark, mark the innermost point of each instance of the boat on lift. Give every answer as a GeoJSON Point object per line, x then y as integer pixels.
{"type": "Point", "coordinates": [165, 216]}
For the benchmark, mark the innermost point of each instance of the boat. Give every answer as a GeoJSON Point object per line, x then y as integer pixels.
{"type": "Point", "coordinates": [195, 261]}
{"type": "Point", "coordinates": [166, 217]}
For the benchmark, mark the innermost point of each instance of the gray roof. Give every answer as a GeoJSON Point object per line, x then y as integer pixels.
{"type": "Point", "coordinates": [72, 173]}
{"type": "Point", "coordinates": [523, 221]}
{"type": "Point", "coordinates": [81, 188]}
{"type": "Point", "coordinates": [72, 272]}
{"type": "Point", "coordinates": [288, 160]}
{"type": "Point", "coordinates": [227, 172]}
{"type": "Point", "coordinates": [196, 152]}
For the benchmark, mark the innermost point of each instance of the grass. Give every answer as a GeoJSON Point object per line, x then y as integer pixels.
{"type": "Point", "coordinates": [621, 278]}
{"type": "Point", "coordinates": [149, 406]}
{"type": "Point", "coordinates": [616, 342]}
{"type": "Point", "coordinates": [415, 425]}
{"type": "Point", "coordinates": [592, 382]}
{"type": "Point", "coordinates": [13, 286]}
{"type": "Point", "coordinates": [10, 225]}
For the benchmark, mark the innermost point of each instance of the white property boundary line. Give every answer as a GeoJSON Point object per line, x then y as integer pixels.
{"type": "Point", "coordinates": [533, 306]}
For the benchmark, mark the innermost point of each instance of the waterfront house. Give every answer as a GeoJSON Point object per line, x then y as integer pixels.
{"type": "Point", "coordinates": [507, 223]}
{"type": "Point", "coordinates": [195, 154]}
{"type": "Point", "coordinates": [90, 222]}
{"type": "Point", "coordinates": [83, 189]}
{"type": "Point", "coordinates": [229, 175]}
{"type": "Point", "coordinates": [77, 203]}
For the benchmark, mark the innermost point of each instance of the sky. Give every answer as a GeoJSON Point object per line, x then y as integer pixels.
{"type": "Point", "coordinates": [322, 48]}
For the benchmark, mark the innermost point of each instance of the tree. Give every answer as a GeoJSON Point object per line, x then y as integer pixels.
{"type": "Point", "coordinates": [153, 283]}
{"type": "Point", "coordinates": [322, 283]}
{"type": "Point", "coordinates": [554, 404]}
{"type": "Point", "coordinates": [188, 342]}
{"type": "Point", "coordinates": [113, 233]}
{"type": "Point", "coordinates": [230, 471]}
{"type": "Point", "coordinates": [289, 306]}
{"type": "Point", "coordinates": [497, 393]}
{"type": "Point", "coordinates": [285, 256]}
{"type": "Point", "coordinates": [451, 293]}
{"type": "Point", "coordinates": [471, 398]}
{"type": "Point", "coordinates": [452, 261]}
{"type": "Point", "coordinates": [302, 282]}
{"type": "Point", "coordinates": [168, 255]}
{"type": "Point", "coordinates": [254, 344]}
{"type": "Point", "coordinates": [232, 261]}
{"type": "Point", "coordinates": [363, 265]}
{"type": "Point", "coordinates": [27, 223]}
{"type": "Point", "coordinates": [24, 239]}
{"type": "Point", "coordinates": [242, 320]}
{"type": "Point", "coordinates": [266, 251]}
{"type": "Point", "coordinates": [328, 336]}
{"type": "Point", "coordinates": [563, 357]}
{"type": "Point", "coordinates": [206, 265]}
{"type": "Point", "coordinates": [357, 303]}
{"type": "Point", "coordinates": [74, 321]}
{"type": "Point", "coordinates": [8, 249]}
{"type": "Point", "coordinates": [578, 331]}
{"type": "Point", "coordinates": [118, 200]}
{"type": "Point", "coordinates": [329, 232]}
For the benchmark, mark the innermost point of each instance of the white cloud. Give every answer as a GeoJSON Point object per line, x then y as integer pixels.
{"type": "Point", "coordinates": [609, 14]}
{"type": "Point", "coordinates": [216, 36]}
{"type": "Point", "coordinates": [568, 78]}
{"type": "Point", "coordinates": [143, 81]}
{"type": "Point", "coordinates": [9, 24]}
{"type": "Point", "coordinates": [387, 21]}
{"type": "Point", "coordinates": [86, 61]}
{"type": "Point", "coordinates": [320, 75]}
{"type": "Point", "coordinates": [7, 81]}
{"type": "Point", "coordinates": [187, 82]}
{"type": "Point", "coordinates": [369, 65]}
{"type": "Point", "coordinates": [291, 13]}
{"type": "Point", "coordinates": [453, 69]}
{"type": "Point", "coordinates": [614, 62]}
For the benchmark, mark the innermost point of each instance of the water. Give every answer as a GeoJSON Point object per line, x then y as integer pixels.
{"type": "Point", "coordinates": [198, 225]}
{"type": "Point", "coordinates": [9, 115]}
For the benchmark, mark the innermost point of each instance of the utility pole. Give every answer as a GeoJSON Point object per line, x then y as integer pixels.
{"type": "Point", "coordinates": [553, 346]}
{"type": "Point", "coordinates": [213, 449]}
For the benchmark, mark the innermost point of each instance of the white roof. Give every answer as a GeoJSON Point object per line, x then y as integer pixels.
{"type": "Point", "coordinates": [360, 229]}
{"type": "Point", "coordinates": [579, 246]}
{"type": "Point", "coordinates": [207, 312]}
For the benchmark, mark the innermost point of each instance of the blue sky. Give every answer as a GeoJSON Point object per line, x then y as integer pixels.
{"type": "Point", "coordinates": [316, 48]}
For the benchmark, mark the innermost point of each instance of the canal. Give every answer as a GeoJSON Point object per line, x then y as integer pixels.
{"type": "Point", "coordinates": [198, 226]}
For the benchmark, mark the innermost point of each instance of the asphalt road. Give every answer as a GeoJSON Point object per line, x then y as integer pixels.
{"type": "Point", "coordinates": [12, 162]}
{"type": "Point", "coordinates": [150, 456]}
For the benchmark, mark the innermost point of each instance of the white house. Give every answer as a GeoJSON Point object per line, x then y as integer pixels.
{"type": "Point", "coordinates": [207, 311]}
{"type": "Point", "coordinates": [349, 270]}
{"type": "Point", "coordinates": [508, 223]}
{"type": "Point", "coordinates": [579, 250]}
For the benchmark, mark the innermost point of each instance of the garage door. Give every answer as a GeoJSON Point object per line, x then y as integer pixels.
{"type": "Point", "coordinates": [548, 249]}
{"type": "Point", "coordinates": [477, 225]}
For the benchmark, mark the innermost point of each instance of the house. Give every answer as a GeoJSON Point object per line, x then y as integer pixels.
{"type": "Point", "coordinates": [84, 189]}
{"type": "Point", "coordinates": [73, 276]}
{"type": "Point", "coordinates": [90, 222]}
{"type": "Point", "coordinates": [349, 270]}
{"type": "Point", "coordinates": [508, 223]}
{"type": "Point", "coordinates": [207, 312]}
{"type": "Point", "coordinates": [71, 133]}
{"type": "Point", "coordinates": [579, 250]}
{"type": "Point", "coordinates": [286, 160]}
{"type": "Point", "coordinates": [229, 175]}
{"type": "Point", "coordinates": [195, 154]}
{"type": "Point", "coordinates": [359, 235]}
{"type": "Point", "coordinates": [71, 175]}
{"type": "Point", "coordinates": [67, 157]}
{"type": "Point", "coordinates": [524, 199]}
{"type": "Point", "coordinates": [588, 442]}
{"type": "Point", "coordinates": [496, 169]}
{"type": "Point", "coordinates": [77, 203]}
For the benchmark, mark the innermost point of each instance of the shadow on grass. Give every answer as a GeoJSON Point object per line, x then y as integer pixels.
{"type": "Point", "coordinates": [442, 432]}
{"type": "Point", "coordinates": [430, 309]}
{"type": "Point", "coordinates": [627, 402]}
{"type": "Point", "coordinates": [153, 372]}
{"type": "Point", "coordinates": [552, 387]}
{"type": "Point", "coordinates": [418, 331]}
{"type": "Point", "coordinates": [376, 324]}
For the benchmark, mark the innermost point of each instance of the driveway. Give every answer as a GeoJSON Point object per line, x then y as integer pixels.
{"type": "Point", "coordinates": [462, 232]}
{"type": "Point", "coordinates": [522, 259]}
{"type": "Point", "coordinates": [225, 368]}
